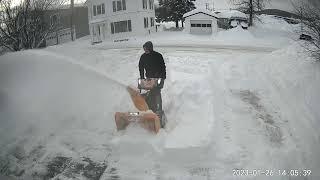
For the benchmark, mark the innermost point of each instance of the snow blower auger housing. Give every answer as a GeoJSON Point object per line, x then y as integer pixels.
{"type": "Point", "coordinates": [149, 104]}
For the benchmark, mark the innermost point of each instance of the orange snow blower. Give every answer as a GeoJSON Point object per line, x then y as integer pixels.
{"type": "Point", "coordinates": [151, 119]}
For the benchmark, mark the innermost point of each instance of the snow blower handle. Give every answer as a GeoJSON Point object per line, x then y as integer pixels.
{"type": "Point", "coordinates": [150, 83]}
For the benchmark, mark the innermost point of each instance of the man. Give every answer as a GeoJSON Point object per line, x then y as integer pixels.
{"type": "Point", "coordinates": [152, 62]}
{"type": "Point", "coordinates": [152, 65]}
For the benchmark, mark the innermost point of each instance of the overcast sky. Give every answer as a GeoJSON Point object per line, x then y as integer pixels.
{"type": "Point", "coordinates": [274, 4]}
{"type": "Point", "coordinates": [225, 4]}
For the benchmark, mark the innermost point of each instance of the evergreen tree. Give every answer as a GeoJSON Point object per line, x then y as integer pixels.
{"type": "Point", "coordinates": [173, 10]}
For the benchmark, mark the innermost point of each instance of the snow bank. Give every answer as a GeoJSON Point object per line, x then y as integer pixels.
{"type": "Point", "coordinates": [167, 26]}
{"type": "Point", "coordinates": [274, 23]}
{"type": "Point", "coordinates": [232, 14]}
{"type": "Point", "coordinates": [300, 82]}
{"type": "Point", "coordinates": [235, 35]}
{"type": "Point", "coordinates": [51, 107]}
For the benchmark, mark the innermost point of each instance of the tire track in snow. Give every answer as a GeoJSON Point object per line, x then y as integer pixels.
{"type": "Point", "coordinates": [262, 115]}
{"type": "Point", "coordinates": [242, 121]}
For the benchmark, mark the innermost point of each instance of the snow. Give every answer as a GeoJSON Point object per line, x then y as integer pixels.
{"type": "Point", "coordinates": [236, 34]}
{"type": "Point", "coordinates": [167, 25]}
{"type": "Point", "coordinates": [98, 20]}
{"type": "Point", "coordinates": [240, 99]}
{"type": "Point", "coordinates": [231, 14]}
{"type": "Point", "coordinates": [271, 22]}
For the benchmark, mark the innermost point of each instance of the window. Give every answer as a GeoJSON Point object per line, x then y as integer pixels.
{"type": "Point", "coordinates": [151, 4]}
{"type": "Point", "coordinates": [114, 6]}
{"type": "Point", "coordinates": [152, 21]}
{"type": "Point", "coordinates": [98, 9]}
{"type": "Point", "coordinates": [103, 9]}
{"type": "Point", "coordinates": [144, 4]}
{"type": "Point", "coordinates": [121, 26]}
{"type": "Point", "coordinates": [119, 5]}
{"type": "Point", "coordinates": [145, 22]}
{"type": "Point", "coordinates": [201, 25]}
{"type": "Point", "coordinates": [94, 10]}
{"type": "Point", "coordinates": [124, 7]}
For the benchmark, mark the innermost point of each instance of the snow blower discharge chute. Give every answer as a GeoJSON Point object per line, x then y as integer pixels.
{"type": "Point", "coordinates": [149, 104]}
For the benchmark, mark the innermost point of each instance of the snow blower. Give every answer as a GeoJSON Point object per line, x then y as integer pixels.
{"type": "Point", "coordinates": [149, 104]}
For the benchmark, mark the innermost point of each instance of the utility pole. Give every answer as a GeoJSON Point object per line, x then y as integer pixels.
{"type": "Point", "coordinates": [212, 5]}
{"type": "Point", "coordinates": [251, 12]}
{"type": "Point", "coordinates": [71, 19]}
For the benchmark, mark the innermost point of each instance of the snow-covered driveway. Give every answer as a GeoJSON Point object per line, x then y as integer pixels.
{"type": "Point", "coordinates": [228, 110]}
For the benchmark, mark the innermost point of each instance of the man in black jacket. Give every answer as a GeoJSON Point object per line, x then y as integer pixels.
{"type": "Point", "coordinates": [152, 62]}
{"type": "Point", "coordinates": [152, 65]}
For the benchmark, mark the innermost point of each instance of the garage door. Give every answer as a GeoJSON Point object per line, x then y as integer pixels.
{"type": "Point", "coordinates": [201, 27]}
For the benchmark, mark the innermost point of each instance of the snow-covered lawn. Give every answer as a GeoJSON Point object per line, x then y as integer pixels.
{"type": "Point", "coordinates": [239, 100]}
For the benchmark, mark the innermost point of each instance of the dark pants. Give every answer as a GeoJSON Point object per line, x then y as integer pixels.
{"type": "Point", "coordinates": [154, 100]}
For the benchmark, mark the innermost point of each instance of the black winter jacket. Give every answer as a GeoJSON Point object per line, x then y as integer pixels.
{"type": "Point", "coordinates": [154, 65]}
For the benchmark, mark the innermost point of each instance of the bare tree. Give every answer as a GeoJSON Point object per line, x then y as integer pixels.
{"type": "Point", "coordinates": [250, 7]}
{"type": "Point", "coordinates": [25, 26]}
{"type": "Point", "coordinates": [309, 11]}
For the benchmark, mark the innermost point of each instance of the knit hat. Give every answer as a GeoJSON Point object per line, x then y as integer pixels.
{"type": "Point", "coordinates": [148, 45]}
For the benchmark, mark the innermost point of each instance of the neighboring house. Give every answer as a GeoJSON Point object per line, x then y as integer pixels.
{"type": "Point", "coordinates": [120, 19]}
{"type": "Point", "coordinates": [231, 18]}
{"type": "Point", "coordinates": [200, 21]}
{"type": "Point", "coordinates": [61, 20]}
{"type": "Point", "coordinates": [291, 18]}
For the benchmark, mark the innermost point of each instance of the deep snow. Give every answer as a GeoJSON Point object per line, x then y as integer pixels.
{"type": "Point", "coordinates": [237, 100]}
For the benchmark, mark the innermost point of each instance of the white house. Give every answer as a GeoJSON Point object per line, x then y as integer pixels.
{"type": "Point", "coordinates": [201, 21]}
{"type": "Point", "coordinates": [120, 19]}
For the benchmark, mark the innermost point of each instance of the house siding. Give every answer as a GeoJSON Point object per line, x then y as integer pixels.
{"type": "Point", "coordinates": [134, 12]}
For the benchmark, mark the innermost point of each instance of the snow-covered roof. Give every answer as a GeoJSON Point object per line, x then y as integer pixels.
{"type": "Point", "coordinates": [230, 14]}
{"type": "Point", "coordinates": [197, 11]}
